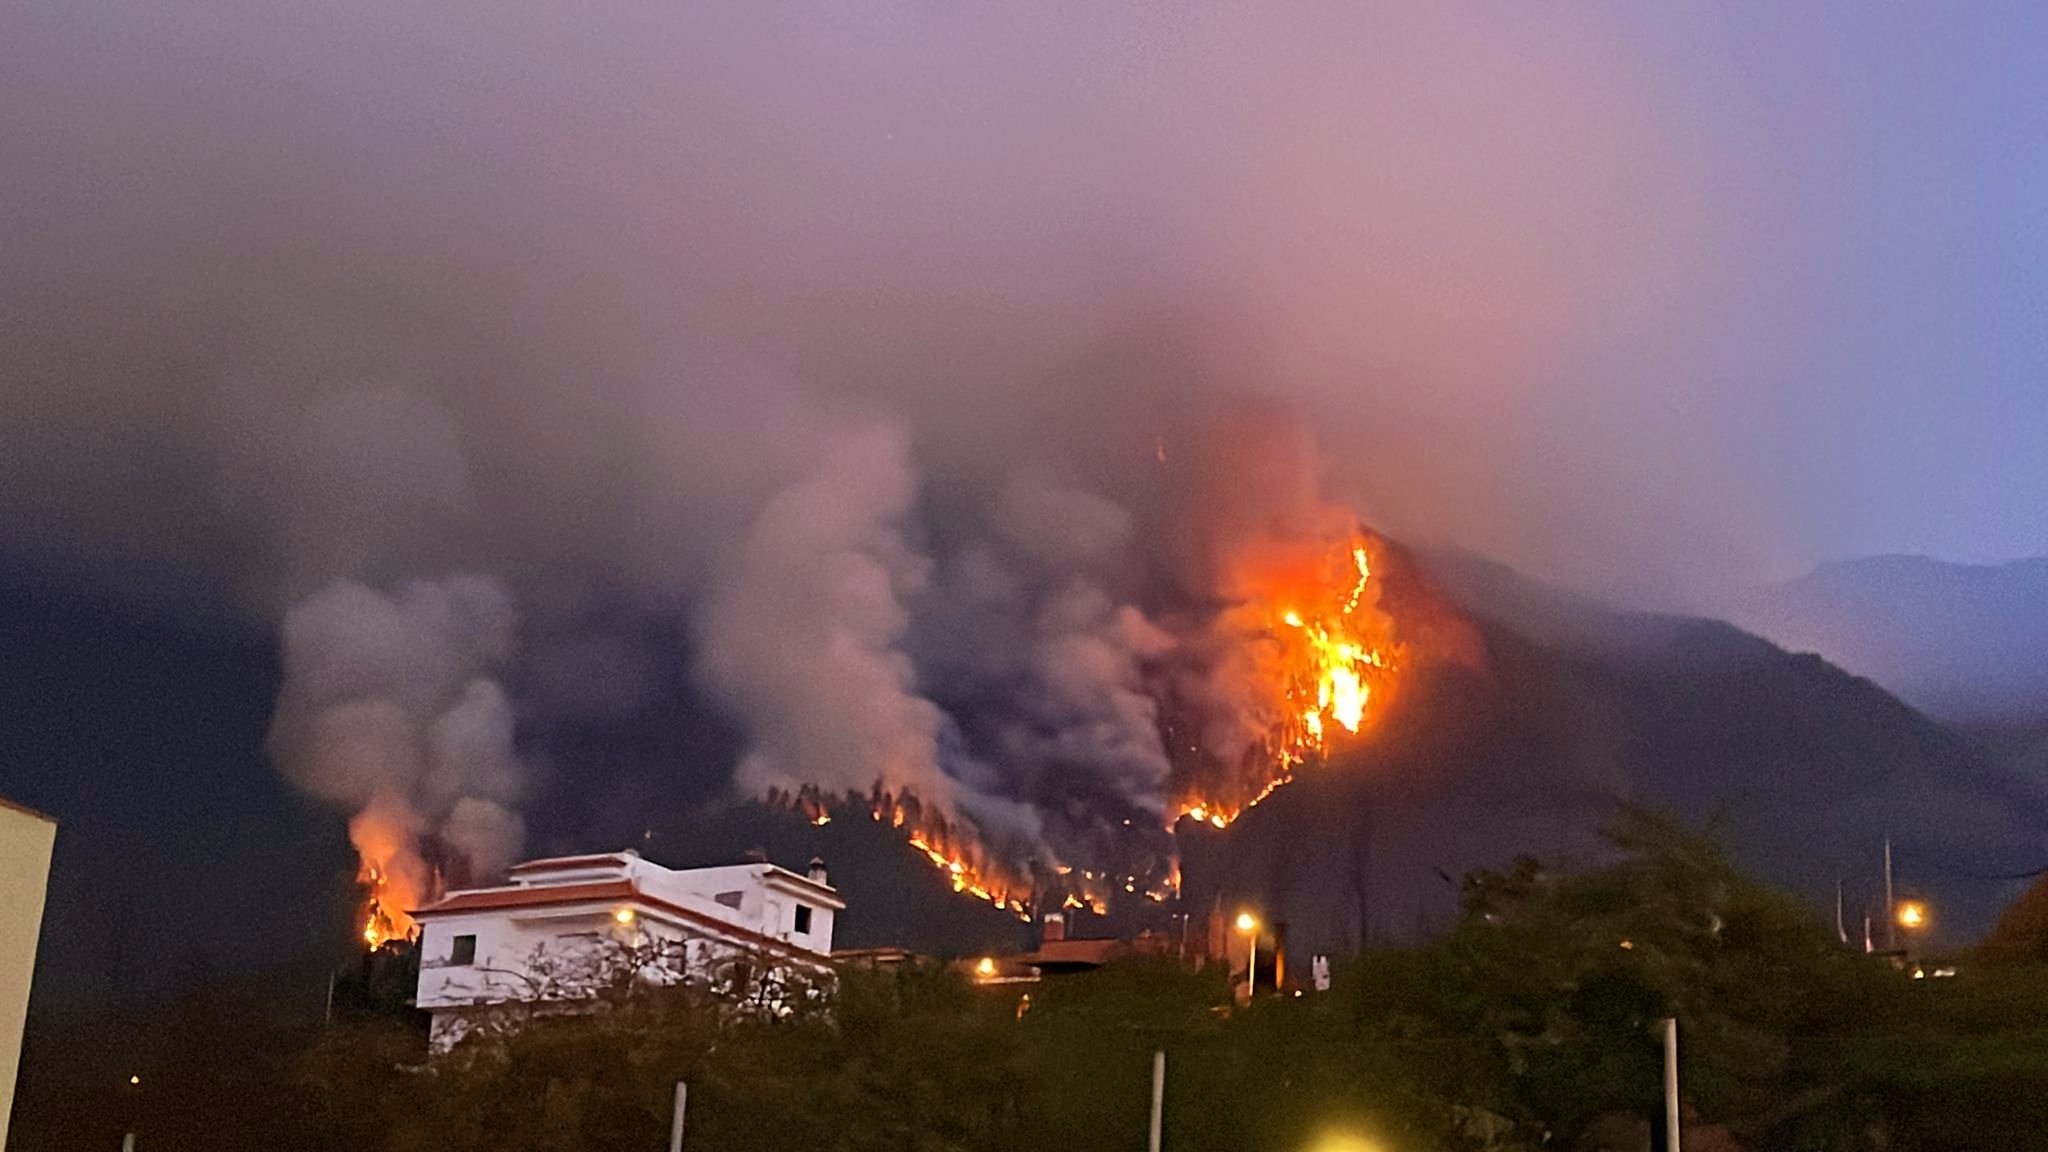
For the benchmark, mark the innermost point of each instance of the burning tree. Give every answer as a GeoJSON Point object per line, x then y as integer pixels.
{"type": "Point", "coordinates": [1301, 653]}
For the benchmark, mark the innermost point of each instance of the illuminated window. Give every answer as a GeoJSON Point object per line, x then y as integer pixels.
{"type": "Point", "coordinates": [462, 951]}
{"type": "Point", "coordinates": [803, 919]}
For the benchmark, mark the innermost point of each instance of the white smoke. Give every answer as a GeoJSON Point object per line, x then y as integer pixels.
{"type": "Point", "coordinates": [801, 632]}
{"type": "Point", "coordinates": [390, 707]}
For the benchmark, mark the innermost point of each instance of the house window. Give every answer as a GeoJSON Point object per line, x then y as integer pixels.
{"type": "Point", "coordinates": [462, 951]}
{"type": "Point", "coordinates": [803, 919]}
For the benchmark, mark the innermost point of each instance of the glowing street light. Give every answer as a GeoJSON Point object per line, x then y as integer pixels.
{"type": "Point", "coordinates": [986, 967]}
{"type": "Point", "coordinates": [1912, 915]}
{"type": "Point", "coordinates": [1249, 925]}
{"type": "Point", "coordinates": [624, 916]}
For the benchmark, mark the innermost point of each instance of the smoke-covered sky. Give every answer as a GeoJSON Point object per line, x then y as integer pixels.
{"type": "Point", "coordinates": [1648, 301]}
{"type": "Point", "coordinates": [886, 341]}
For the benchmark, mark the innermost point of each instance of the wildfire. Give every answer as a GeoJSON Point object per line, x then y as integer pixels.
{"type": "Point", "coordinates": [951, 850]}
{"type": "Point", "coordinates": [392, 875]}
{"type": "Point", "coordinates": [1321, 648]}
{"type": "Point", "coordinates": [384, 915]}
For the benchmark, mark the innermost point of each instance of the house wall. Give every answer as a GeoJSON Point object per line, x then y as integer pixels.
{"type": "Point", "coordinates": [26, 839]}
{"type": "Point", "coordinates": [537, 953]}
{"type": "Point", "coordinates": [769, 899]}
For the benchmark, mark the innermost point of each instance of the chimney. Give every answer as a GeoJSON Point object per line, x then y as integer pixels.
{"type": "Point", "coordinates": [817, 872]}
{"type": "Point", "coordinates": [1055, 927]}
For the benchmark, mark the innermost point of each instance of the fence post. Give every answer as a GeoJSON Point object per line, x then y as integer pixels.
{"type": "Point", "coordinates": [675, 1124]}
{"type": "Point", "coordinates": [1158, 1097]}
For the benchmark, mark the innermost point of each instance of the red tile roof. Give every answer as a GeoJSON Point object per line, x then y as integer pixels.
{"type": "Point", "coordinates": [1073, 953]}
{"type": "Point", "coordinates": [530, 896]}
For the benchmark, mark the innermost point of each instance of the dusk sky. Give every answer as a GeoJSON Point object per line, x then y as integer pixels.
{"type": "Point", "coordinates": [397, 393]}
{"type": "Point", "coordinates": [1652, 301]}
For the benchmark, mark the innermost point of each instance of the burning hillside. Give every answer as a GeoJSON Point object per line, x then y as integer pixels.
{"type": "Point", "coordinates": [1305, 657]}
{"type": "Point", "coordinates": [1299, 659]}
{"type": "Point", "coordinates": [1034, 711]}
{"type": "Point", "coordinates": [950, 846]}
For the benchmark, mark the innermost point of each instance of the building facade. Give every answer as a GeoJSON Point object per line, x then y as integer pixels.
{"type": "Point", "coordinates": [26, 838]}
{"type": "Point", "coordinates": [564, 930]}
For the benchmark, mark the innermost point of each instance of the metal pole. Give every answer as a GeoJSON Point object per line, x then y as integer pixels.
{"type": "Point", "coordinates": [1158, 1097]}
{"type": "Point", "coordinates": [1891, 908]}
{"type": "Point", "coordinates": [675, 1124]}
{"type": "Point", "coordinates": [1671, 1084]}
{"type": "Point", "coordinates": [128, 1142]}
{"type": "Point", "coordinates": [1251, 968]}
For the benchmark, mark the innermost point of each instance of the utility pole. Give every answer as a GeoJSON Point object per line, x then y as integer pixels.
{"type": "Point", "coordinates": [1671, 1084]}
{"type": "Point", "coordinates": [1158, 1098]}
{"type": "Point", "coordinates": [675, 1124]}
{"type": "Point", "coordinates": [1841, 932]}
{"type": "Point", "coordinates": [1891, 907]}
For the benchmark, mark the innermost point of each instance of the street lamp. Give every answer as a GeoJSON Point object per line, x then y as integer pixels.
{"type": "Point", "coordinates": [1249, 925]}
{"type": "Point", "coordinates": [1912, 915]}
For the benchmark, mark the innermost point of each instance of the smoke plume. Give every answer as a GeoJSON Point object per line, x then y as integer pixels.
{"type": "Point", "coordinates": [391, 709]}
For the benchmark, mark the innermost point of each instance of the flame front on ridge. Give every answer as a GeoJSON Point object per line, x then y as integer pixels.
{"type": "Point", "coordinates": [1321, 657]}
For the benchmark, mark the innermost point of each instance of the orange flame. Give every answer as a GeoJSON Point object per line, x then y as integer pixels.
{"type": "Point", "coordinates": [1321, 657]}
{"type": "Point", "coordinates": [949, 847]}
{"type": "Point", "coordinates": [393, 877]}
{"type": "Point", "coordinates": [384, 915]}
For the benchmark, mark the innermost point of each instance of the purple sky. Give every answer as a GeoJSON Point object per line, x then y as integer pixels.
{"type": "Point", "coordinates": [1651, 301]}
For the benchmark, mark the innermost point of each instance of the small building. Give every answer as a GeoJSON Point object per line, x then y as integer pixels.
{"type": "Point", "coordinates": [563, 929]}
{"type": "Point", "coordinates": [26, 838]}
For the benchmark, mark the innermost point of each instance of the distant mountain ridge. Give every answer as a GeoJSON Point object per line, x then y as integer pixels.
{"type": "Point", "coordinates": [1802, 768]}
{"type": "Point", "coordinates": [1964, 642]}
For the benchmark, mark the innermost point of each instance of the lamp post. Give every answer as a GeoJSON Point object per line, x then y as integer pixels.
{"type": "Point", "coordinates": [1249, 925]}
{"type": "Point", "coordinates": [1912, 915]}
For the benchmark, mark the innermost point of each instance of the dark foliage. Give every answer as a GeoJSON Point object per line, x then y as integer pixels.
{"type": "Point", "coordinates": [1531, 1025]}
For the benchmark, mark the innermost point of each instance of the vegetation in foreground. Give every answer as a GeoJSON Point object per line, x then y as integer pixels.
{"type": "Point", "coordinates": [1532, 1025]}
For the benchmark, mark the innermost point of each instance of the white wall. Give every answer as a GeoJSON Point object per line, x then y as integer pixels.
{"type": "Point", "coordinates": [540, 952]}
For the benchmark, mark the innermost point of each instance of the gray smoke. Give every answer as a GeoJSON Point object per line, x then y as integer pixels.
{"type": "Point", "coordinates": [1048, 664]}
{"type": "Point", "coordinates": [802, 627]}
{"type": "Point", "coordinates": [390, 708]}
{"type": "Point", "coordinates": [713, 313]}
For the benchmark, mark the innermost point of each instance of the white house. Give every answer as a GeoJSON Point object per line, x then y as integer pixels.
{"type": "Point", "coordinates": [562, 925]}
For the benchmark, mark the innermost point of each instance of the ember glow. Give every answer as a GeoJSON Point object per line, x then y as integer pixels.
{"type": "Point", "coordinates": [1318, 661]}
{"type": "Point", "coordinates": [384, 916]}
{"type": "Point", "coordinates": [1301, 658]}
{"type": "Point", "coordinates": [947, 844]}
{"type": "Point", "coordinates": [391, 874]}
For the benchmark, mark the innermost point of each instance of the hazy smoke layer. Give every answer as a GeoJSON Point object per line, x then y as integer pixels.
{"type": "Point", "coordinates": [390, 708]}
{"type": "Point", "coordinates": [889, 365]}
